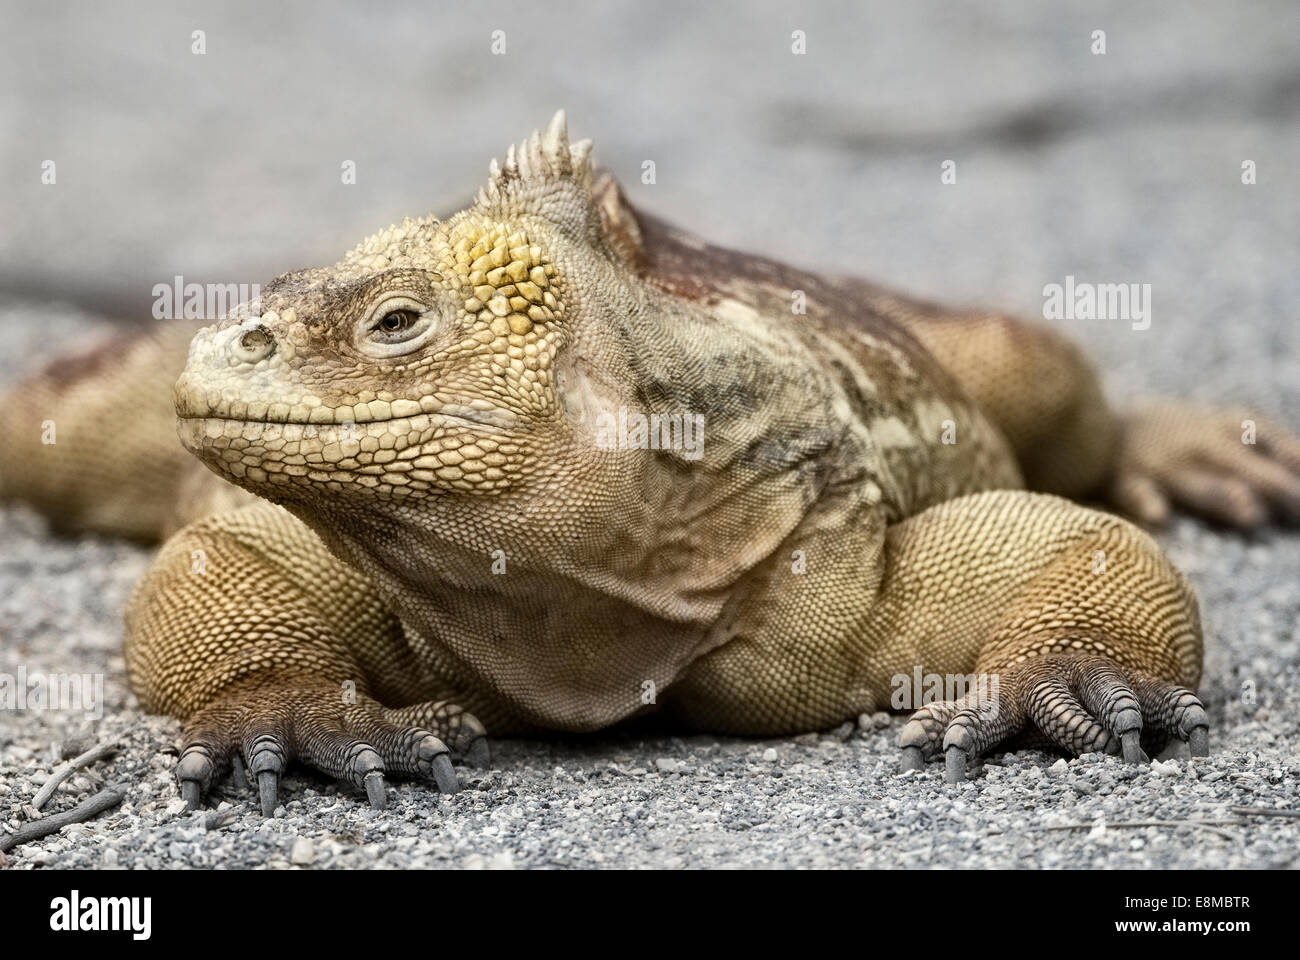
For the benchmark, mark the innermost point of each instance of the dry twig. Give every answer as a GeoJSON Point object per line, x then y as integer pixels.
{"type": "Point", "coordinates": [104, 800]}
{"type": "Point", "coordinates": [66, 770]}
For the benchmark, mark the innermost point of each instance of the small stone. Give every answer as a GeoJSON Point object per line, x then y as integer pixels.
{"type": "Point", "coordinates": [769, 755]}
{"type": "Point", "coordinates": [75, 746]}
{"type": "Point", "coordinates": [667, 765]}
{"type": "Point", "coordinates": [302, 852]}
{"type": "Point", "coordinates": [1059, 769]}
{"type": "Point", "coordinates": [881, 720]}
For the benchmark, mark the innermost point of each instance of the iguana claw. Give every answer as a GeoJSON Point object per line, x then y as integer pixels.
{"type": "Point", "coordinates": [954, 765]}
{"type": "Point", "coordinates": [268, 791]}
{"type": "Point", "coordinates": [375, 790]}
{"type": "Point", "coordinates": [1131, 744]}
{"type": "Point", "coordinates": [913, 759]}
{"type": "Point", "coordinates": [445, 775]}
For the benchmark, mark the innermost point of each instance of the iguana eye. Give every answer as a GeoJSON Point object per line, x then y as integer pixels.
{"type": "Point", "coordinates": [397, 321]}
{"type": "Point", "coordinates": [398, 325]}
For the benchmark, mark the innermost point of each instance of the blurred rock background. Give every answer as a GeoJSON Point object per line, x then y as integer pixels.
{"type": "Point", "coordinates": [1126, 167]}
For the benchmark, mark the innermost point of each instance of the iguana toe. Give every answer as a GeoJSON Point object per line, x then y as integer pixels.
{"type": "Point", "coordinates": [1231, 467]}
{"type": "Point", "coordinates": [1079, 703]}
{"type": "Point", "coordinates": [452, 724]}
{"type": "Point", "coordinates": [266, 724]}
{"type": "Point", "coordinates": [194, 773]}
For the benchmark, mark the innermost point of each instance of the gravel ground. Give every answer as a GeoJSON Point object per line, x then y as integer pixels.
{"type": "Point", "coordinates": [1117, 169]}
{"type": "Point", "coordinates": [819, 800]}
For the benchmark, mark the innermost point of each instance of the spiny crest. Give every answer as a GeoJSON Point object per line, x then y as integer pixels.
{"type": "Point", "coordinates": [541, 159]}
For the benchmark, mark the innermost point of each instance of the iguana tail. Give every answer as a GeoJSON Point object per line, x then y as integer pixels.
{"type": "Point", "coordinates": [90, 441]}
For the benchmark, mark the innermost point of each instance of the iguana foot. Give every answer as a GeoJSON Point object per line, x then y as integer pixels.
{"type": "Point", "coordinates": [262, 726]}
{"type": "Point", "coordinates": [1081, 703]}
{"type": "Point", "coordinates": [1232, 468]}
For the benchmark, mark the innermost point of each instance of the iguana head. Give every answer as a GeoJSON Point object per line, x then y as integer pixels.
{"type": "Point", "coordinates": [426, 362]}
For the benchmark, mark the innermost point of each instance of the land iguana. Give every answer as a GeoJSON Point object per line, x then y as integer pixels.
{"type": "Point", "coordinates": [449, 492]}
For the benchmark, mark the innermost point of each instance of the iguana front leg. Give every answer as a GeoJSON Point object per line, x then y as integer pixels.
{"type": "Point", "coordinates": [271, 650]}
{"type": "Point", "coordinates": [1089, 637]}
{"type": "Point", "coordinates": [1074, 626]}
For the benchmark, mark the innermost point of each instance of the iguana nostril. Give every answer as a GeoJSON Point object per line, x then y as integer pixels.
{"type": "Point", "coordinates": [254, 344]}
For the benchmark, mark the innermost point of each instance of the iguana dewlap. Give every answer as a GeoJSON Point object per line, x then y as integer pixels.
{"type": "Point", "coordinates": [550, 464]}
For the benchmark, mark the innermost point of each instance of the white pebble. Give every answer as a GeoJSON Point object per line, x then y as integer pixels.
{"type": "Point", "coordinates": [302, 852]}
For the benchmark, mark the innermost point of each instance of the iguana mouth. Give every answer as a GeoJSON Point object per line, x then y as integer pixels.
{"type": "Point", "coordinates": [453, 416]}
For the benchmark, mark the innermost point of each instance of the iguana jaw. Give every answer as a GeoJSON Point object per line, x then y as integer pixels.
{"type": "Point", "coordinates": [394, 458]}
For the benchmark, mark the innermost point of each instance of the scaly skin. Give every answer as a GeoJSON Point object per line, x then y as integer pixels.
{"type": "Point", "coordinates": [451, 545]}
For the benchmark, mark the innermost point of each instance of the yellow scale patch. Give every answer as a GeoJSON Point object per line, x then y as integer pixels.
{"type": "Point", "coordinates": [509, 278]}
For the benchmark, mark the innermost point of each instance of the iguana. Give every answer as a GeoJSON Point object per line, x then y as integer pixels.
{"type": "Point", "coordinates": [551, 464]}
